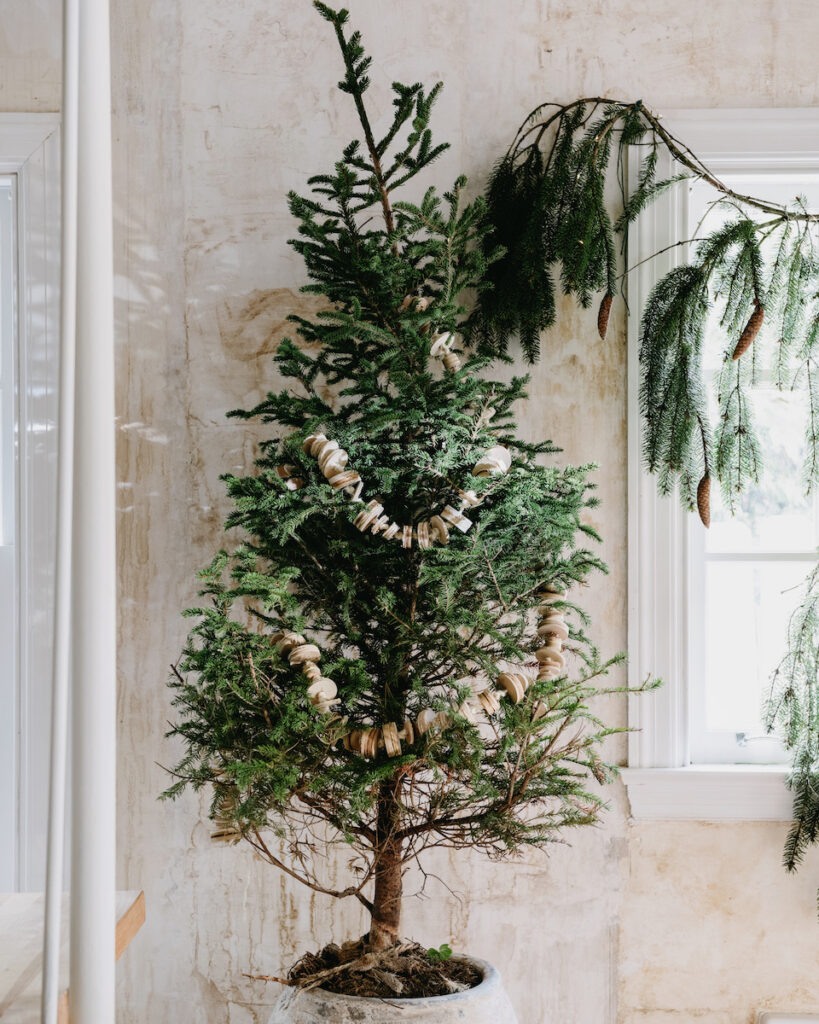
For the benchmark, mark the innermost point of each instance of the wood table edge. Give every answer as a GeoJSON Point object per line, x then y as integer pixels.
{"type": "Point", "coordinates": [130, 923]}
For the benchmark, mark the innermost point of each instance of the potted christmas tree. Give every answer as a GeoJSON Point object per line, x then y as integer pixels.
{"type": "Point", "coordinates": [384, 662]}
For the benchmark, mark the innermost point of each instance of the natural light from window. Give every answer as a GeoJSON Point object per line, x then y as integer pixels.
{"type": "Point", "coordinates": [745, 568]}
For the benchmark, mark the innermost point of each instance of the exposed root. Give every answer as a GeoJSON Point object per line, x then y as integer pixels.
{"type": "Point", "coordinates": [403, 971]}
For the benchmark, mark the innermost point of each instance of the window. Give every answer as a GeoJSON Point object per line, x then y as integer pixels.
{"type": "Point", "coordinates": [29, 315]}
{"type": "Point", "coordinates": [708, 609]}
{"type": "Point", "coordinates": [743, 571]}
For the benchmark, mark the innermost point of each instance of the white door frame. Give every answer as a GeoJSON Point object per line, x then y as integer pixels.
{"type": "Point", "coordinates": [30, 150]}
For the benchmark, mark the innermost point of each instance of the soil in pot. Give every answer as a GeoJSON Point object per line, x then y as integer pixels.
{"type": "Point", "coordinates": [406, 971]}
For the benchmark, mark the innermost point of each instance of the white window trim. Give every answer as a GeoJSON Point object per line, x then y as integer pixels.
{"type": "Point", "coordinates": [30, 149]}
{"type": "Point", "coordinates": [661, 781]}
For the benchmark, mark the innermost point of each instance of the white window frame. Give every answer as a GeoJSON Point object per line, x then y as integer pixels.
{"type": "Point", "coordinates": [661, 781]}
{"type": "Point", "coordinates": [30, 150]}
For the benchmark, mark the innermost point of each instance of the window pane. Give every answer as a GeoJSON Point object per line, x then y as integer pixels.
{"type": "Point", "coordinates": [776, 515]}
{"type": "Point", "coordinates": [747, 606]}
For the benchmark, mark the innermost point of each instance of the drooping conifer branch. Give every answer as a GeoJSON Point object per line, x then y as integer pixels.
{"type": "Point", "coordinates": [753, 279]}
{"type": "Point", "coordinates": [793, 711]}
{"type": "Point", "coordinates": [545, 207]}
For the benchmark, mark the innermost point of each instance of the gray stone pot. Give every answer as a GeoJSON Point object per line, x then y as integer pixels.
{"type": "Point", "coordinates": [487, 1003]}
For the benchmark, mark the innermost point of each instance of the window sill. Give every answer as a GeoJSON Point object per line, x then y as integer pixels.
{"type": "Point", "coordinates": [718, 792]}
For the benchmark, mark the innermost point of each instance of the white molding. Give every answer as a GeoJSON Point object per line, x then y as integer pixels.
{"type": "Point", "coordinates": [709, 793]}
{"type": "Point", "coordinates": [729, 139]}
{"type": "Point", "coordinates": [661, 782]}
{"type": "Point", "coordinates": [768, 1017]}
{"type": "Point", "coordinates": [8, 531]}
{"type": "Point", "coordinates": [21, 136]}
{"type": "Point", "coordinates": [657, 562]}
{"type": "Point", "coordinates": [29, 149]}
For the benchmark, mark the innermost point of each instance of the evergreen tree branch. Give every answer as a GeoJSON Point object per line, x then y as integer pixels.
{"type": "Point", "coordinates": [258, 843]}
{"type": "Point", "coordinates": [355, 83]}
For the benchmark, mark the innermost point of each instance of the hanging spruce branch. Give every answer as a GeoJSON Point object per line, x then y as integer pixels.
{"type": "Point", "coordinates": [793, 711]}
{"type": "Point", "coordinates": [546, 209]}
{"type": "Point", "coordinates": [758, 272]}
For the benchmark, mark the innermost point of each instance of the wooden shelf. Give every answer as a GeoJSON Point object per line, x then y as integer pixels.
{"type": "Point", "coordinates": [21, 951]}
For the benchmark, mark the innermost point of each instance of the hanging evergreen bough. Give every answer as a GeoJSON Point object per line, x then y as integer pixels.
{"type": "Point", "coordinates": [793, 710]}
{"type": "Point", "coordinates": [547, 210]}
{"type": "Point", "coordinates": [758, 270]}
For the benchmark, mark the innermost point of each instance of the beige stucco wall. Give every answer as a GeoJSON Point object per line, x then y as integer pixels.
{"type": "Point", "coordinates": [220, 107]}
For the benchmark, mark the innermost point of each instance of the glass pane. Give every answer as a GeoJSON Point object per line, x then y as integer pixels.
{"type": "Point", "coordinates": [776, 515]}
{"type": "Point", "coordinates": [741, 618]}
{"type": "Point", "coordinates": [747, 607]}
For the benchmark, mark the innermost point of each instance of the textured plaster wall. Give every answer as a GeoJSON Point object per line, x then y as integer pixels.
{"type": "Point", "coordinates": [220, 107]}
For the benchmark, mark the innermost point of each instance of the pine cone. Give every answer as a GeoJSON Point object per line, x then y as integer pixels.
{"type": "Point", "coordinates": [603, 315]}
{"type": "Point", "coordinates": [704, 500]}
{"type": "Point", "coordinates": [751, 331]}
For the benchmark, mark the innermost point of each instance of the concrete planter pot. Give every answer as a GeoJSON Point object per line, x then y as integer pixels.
{"type": "Point", "coordinates": [487, 1003]}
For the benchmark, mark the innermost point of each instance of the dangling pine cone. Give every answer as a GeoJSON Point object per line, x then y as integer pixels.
{"type": "Point", "coordinates": [603, 315]}
{"type": "Point", "coordinates": [704, 500]}
{"type": "Point", "coordinates": [751, 330]}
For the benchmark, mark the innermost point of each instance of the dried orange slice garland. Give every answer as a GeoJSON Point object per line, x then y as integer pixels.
{"type": "Point", "coordinates": [333, 462]}
{"type": "Point", "coordinates": [322, 691]}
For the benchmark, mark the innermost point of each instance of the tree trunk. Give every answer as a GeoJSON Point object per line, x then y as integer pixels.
{"type": "Point", "coordinates": [386, 913]}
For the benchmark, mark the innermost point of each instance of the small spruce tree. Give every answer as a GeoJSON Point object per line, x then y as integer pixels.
{"type": "Point", "coordinates": [406, 629]}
